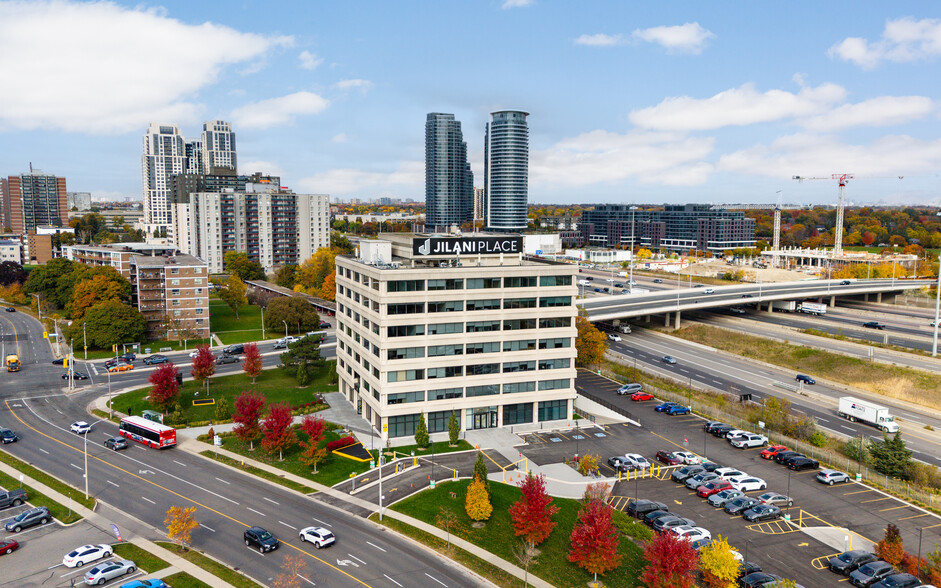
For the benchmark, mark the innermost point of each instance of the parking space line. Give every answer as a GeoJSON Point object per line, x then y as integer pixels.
{"type": "Point", "coordinates": [878, 499]}
{"type": "Point", "coordinates": [932, 526]}
{"type": "Point", "coordinates": [924, 514]}
{"type": "Point", "coordinates": [823, 562]}
{"type": "Point", "coordinates": [893, 508]}
{"type": "Point", "coordinates": [858, 492]}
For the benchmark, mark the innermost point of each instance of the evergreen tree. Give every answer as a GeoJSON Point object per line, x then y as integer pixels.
{"type": "Point", "coordinates": [421, 432]}
{"type": "Point", "coordinates": [890, 456]}
{"type": "Point", "coordinates": [480, 471]}
{"type": "Point", "coordinates": [454, 428]}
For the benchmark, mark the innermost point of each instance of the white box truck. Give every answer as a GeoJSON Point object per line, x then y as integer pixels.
{"type": "Point", "coordinates": [784, 305]}
{"type": "Point", "coordinates": [813, 308]}
{"type": "Point", "coordinates": [864, 411]}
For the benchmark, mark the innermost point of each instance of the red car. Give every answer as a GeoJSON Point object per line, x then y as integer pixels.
{"type": "Point", "coordinates": [713, 487]}
{"type": "Point", "coordinates": [668, 458]}
{"type": "Point", "coordinates": [8, 546]}
{"type": "Point", "coordinates": [641, 396]}
{"type": "Point", "coordinates": [770, 452]}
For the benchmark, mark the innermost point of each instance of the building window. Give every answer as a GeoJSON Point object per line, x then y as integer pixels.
{"type": "Point", "coordinates": [446, 306]}
{"type": "Point", "coordinates": [555, 280]}
{"type": "Point", "coordinates": [403, 425]}
{"type": "Point", "coordinates": [438, 421]}
{"type": "Point", "coordinates": [554, 384]}
{"type": "Point", "coordinates": [456, 284]}
{"type": "Point", "coordinates": [554, 364]}
{"type": "Point", "coordinates": [555, 343]}
{"type": "Point", "coordinates": [174, 282]}
{"type": "Point", "coordinates": [175, 292]}
{"type": "Point", "coordinates": [175, 302]}
{"type": "Point", "coordinates": [406, 308]}
{"type": "Point", "coordinates": [405, 397]}
{"type": "Point", "coordinates": [517, 387]}
{"type": "Point", "coordinates": [445, 394]}
{"type": "Point", "coordinates": [483, 369]}
{"type": "Point", "coordinates": [403, 352]}
{"type": "Point", "coordinates": [405, 375]}
{"type": "Point", "coordinates": [519, 324]}
{"type": "Point", "coordinates": [483, 326]}
{"type": "Point", "coordinates": [406, 330]}
{"type": "Point", "coordinates": [488, 347]}
{"type": "Point", "coordinates": [493, 304]}
{"type": "Point", "coordinates": [519, 366]}
{"type": "Point", "coordinates": [199, 311]}
{"type": "Point", "coordinates": [520, 282]}
{"type": "Point", "coordinates": [174, 270]}
{"type": "Point", "coordinates": [553, 301]}
{"type": "Point", "coordinates": [515, 414]}
{"type": "Point", "coordinates": [554, 323]}
{"type": "Point", "coordinates": [441, 350]}
{"type": "Point", "coordinates": [514, 303]}
{"type": "Point", "coordinates": [405, 285]}
{"type": "Point", "coordinates": [488, 390]}
{"type": "Point", "coordinates": [553, 410]}
{"type": "Point", "coordinates": [445, 328]}
{"type": "Point", "coordinates": [452, 371]}
{"type": "Point", "coordinates": [479, 283]}
{"type": "Point", "coordinates": [523, 345]}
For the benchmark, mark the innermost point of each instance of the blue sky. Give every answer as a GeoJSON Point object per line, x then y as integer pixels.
{"type": "Point", "coordinates": [643, 102]}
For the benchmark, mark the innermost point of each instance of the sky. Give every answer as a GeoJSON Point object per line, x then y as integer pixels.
{"type": "Point", "coordinates": [629, 102]}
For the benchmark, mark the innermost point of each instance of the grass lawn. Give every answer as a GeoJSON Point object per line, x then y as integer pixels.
{"type": "Point", "coordinates": [59, 511]}
{"type": "Point", "coordinates": [498, 537]}
{"type": "Point", "coordinates": [247, 327]}
{"type": "Point", "coordinates": [144, 560]}
{"type": "Point", "coordinates": [276, 385]}
{"type": "Point", "coordinates": [184, 580]}
{"type": "Point", "coordinates": [210, 565]}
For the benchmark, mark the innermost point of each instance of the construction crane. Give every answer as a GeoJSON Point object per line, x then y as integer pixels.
{"type": "Point", "coordinates": [841, 205]}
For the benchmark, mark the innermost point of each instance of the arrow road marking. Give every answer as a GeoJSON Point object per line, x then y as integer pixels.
{"type": "Point", "coordinates": [346, 562]}
{"type": "Point", "coordinates": [145, 471]}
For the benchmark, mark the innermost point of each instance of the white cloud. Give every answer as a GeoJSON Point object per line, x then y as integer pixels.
{"type": "Point", "coordinates": [340, 138]}
{"type": "Point", "coordinates": [99, 68]}
{"type": "Point", "coordinates": [277, 111]}
{"type": "Point", "coordinates": [876, 112]}
{"type": "Point", "coordinates": [605, 157]}
{"type": "Point", "coordinates": [903, 40]}
{"type": "Point", "coordinates": [815, 155]}
{"type": "Point", "coordinates": [266, 167]}
{"type": "Point", "coordinates": [686, 38]}
{"type": "Point", "coordinates": [408, 178]}
{"type": "Point", "coordinates": [309, 60]}
{"type": "Point", "coordinates": [738, 106]}
{"type": "Point", "coordinates": [516, 4]}
{"type": "Point", "coordinates": [363, 85]}
{"type": "Point", "coordinates": [599, 40]}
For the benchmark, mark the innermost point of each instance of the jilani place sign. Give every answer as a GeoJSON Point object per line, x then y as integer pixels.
{"type": "Point", "coordinates": [467, 246]}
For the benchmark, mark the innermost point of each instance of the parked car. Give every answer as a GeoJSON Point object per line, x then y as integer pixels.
{"type": "Point", "coordinates": [620, 464]}
{"type": "Point", "coordinates": [803, 463]}
{"type": "Point", "coordinates": [80, 427]}
{"type": "Point", "coordinates": [155, 359]}
{"type": "Point", "coordinates": [688, 458]}
{"type": "Point", "coordinates": [782, 456]}
{"type": "Point", "coordinates": [805, 379]}
{"type": "Point", "coordinates": [128, 356]}
{"type": "Point", "coordinates": [75, 376]}
{"type": "Point", "coordinates": [691, 533]}
{"type": "Point", "coordinates": [116, 443]}
{"type": "Point", "coordinates": [694, 482]}
{"type": "Point", "coordinates": [669, 359]}
{"type": "Point", "coordinates": [832, 477]}
{"type": "Point", "coordinates": [86, 554]}
{"type": "Point", "coordinates": [728, 473]}
{"type": "Point", "coordinates": [713, 487]}
{"type": "Point", "coordinates": [775, 499]}
{"type": "Point", "coordinates": [662, 407]}
{"type": "Point", "coordinates": [639, 461]}
{"type": "Point", "coordinates": [709, 466]}
{"type": "Point", "coordinates": [739, 505]}
{"type": "Point", "coordinates": [108, 571]}
{"type": "Point", "coordinates": [748, 567]}
{"type": "Point", "coordinates": [677, 410]}
{"type": "Point", "coordinates": [761, 512]}
{"type": "Point", "coordinates": [748, 483]}
{"type": "Point", "coordinates": [771, 451]}
{"type": "Point", "coordinates": [653, 515]}
{"type": "Point", "coordinates": [10, 309]}
{"type": "Point", "coordinates": [664, 524]}
{"type": "Point", "coordinates": [325, 325]}
{"type": "Point", "coordinates": [28, 518]}
{"type": "Point", "coordinates": [319, 536]}
{"type": "Point", "coordinates": [898, 581]}
{"type": "Point", "coordinates": [848, 561]}
{"type": "Point", "coordinates": [720, 431]}
{"type": "Point", "coordinates": [868, 574]}
{"type": "Point", "coordinates": [732, 434]}
{"type": "Point", "coordinates": [749, 440]}
{"type": "Point", "coordinates": [629, 389]}
{"type": "Point", "coordinates": [638, 508]}
{"type": "Point", "coordinates": [7, 436]}
{"type": "Point", "coordinates": [668, 457]}
{"type": "Point", "coordinates": [709, 425]}
{"type": "Point", "coordinates": [8, 546]}
{"type": "Point", "coordinates": [719, 499]}
{"type": "Point", "coordinates": [638, 396]}
{"type": "Point", "coordinates": [757, 580]}
{"type": "Point", "coordinates": [874, 325]}
{"type": "Point", "coordinates": [260, 539]}
{"type": "Point", "coordinates": [683, 473]}
{"type": "Point", "coordinates": [223, 359]}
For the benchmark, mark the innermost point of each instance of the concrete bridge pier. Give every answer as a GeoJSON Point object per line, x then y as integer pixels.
{"type": "Point", "coordinates": [677, 324]}
{"type": "Point", "coordinates": [666, 320]}
{"type": "Point", "coordinates": [833, 301]}
{"type": "Point", "coordinates": [646, 318]}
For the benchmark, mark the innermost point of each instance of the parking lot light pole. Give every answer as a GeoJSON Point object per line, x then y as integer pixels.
{"type": "Point", "coordinates": [787, 507]}
{"type": "Point", "coordinates": [918, 564]}
{"type": "Point", "coordinates": [285, 329]}
{"type": "Point", "coordinates": [747, 541]}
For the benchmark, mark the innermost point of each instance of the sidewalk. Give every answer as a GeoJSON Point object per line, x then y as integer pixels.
{"type": "Point", "coordinates": [177, 563]}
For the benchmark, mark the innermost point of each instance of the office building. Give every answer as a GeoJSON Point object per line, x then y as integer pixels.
{"type": "Point", "coordinates": [430, 324]}
{"type": "Point", "coordinates": [80, 201]}
{"type": "Point", "coordinates": [274, 227]}
{"type": "Point", "coordinates": [164, 156]}
{"type": "Point", "coordinates": [449, 182]}
{"type": "Point", "coordinates": [675, 227]}
{"type": "Point", "coordinates": [33, 199]}
{"type": "Point", "coordinates": [506, 171]}
{"type": "Point", "coordinates": [218, 147]}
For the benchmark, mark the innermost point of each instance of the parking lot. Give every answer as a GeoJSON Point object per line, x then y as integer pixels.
{"type": "Point", "coordinates": [790, 549]}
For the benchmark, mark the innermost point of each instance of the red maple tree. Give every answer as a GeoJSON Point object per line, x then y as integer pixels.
{"type": "Point", "coordinates": [248, 407]}
{"type": "Point", "coordinates": [165, 387]}
{"type": "Point", "coordinates": [314, 427]}
{"type": "Point", "coordinates": [279, 434]}
{"type": "Point", "coordinates": [532, 513]}
{"type": "Point", "coordinates": [594, 543]}
{"type": "Point", "coordinates": [671, 563]}
{"type": "Point", "coordinates": [251, 365]}
{"type": "Point", "coordinates": [204, 364]}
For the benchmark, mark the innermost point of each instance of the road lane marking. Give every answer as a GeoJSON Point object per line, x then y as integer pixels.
{"type": "Point", "coordinates": [321, 522]}
{"type": "Point", "coordinates": [356, 558]}
{"type": "Point", "coordinates": [288, 526]}
{"type": "Point", "coordinates": [436, 579]}
{"type": "Point", "coordinates": [255, 511]}
{"type": "Point", "coordinates": [112, 483]}
{"type": "Point", "coordinates": [223, 481]}
{"type": "Point", "coordinates": [76, 467]}
{"type": "Point", "coordinates": [179, 463]}
{"type": "Point", "coordinates": [269, 500]}
{"type": "Point", "coordinates": [377, 547]}
{"type": "Point", "coordinates": [43, 450]}
{"type": "Point", "coordinates": [207, 528]}
{"type": "Point", "coordinates": [148, 500]}
{"type": "Point", "coordinates": [391, 580]}
{"type": "Point", "coordinates": [306, 580]}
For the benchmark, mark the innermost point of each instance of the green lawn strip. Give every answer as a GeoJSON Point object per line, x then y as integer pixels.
{"type": "Point", "coordinates": [143, 559]}
{"type": "Point", "coordinates": [482, 567]}
{"type": "Point", "coordinates": [184, 580]}
{"type": "Point", "coordinates": [265, 474]}
{"type": "Point", "coordinates": [215, 568]}
{"type": "Point", "coordinates": [59, 511]}
{"type": "Point", "coordinates": [277, 385]}
{"type": "Point", "coordinates": [498, 536]}
{"type": "Point", "coordinates": [154, 346]}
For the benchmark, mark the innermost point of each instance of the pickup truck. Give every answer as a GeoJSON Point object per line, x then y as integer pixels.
{"type": "Point", "coordinates": [874, 325]}
{"type": "Point", "coordinates": [749, 440]}
{"type": "Point", "coordinates": [14, 497]}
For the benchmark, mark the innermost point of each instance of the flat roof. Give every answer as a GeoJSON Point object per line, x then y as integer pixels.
{"type": "Point", "coordinates": [162, 261]}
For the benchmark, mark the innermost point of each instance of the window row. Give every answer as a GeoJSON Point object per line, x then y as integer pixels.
{"type": "Point", "coordinates": [474, 391]}
{"type": "Point", "coordinates": [474, 305]}
{"type": "Point", "coordinates": [478, 326]}
{"type": "Point", "coordinates": [513, 414]}
{"type": "Point", "coordinates": [479, 369]}
{"type": "Point", "coordinates": [476, 283]}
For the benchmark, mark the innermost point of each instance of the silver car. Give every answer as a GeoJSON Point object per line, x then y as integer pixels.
{"type": "Point", "coordinates": [719, 499]}
{"type": "Point", "coordinates": [832, 477]}
{"type": "Point", "coordinates": [109, 570]}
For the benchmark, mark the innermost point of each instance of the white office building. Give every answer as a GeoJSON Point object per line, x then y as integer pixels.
{"type": "Point", "coordinates": [430, 324]}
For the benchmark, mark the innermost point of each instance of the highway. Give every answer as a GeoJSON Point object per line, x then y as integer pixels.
{"type": "Point", "coordinates": [144, 483]}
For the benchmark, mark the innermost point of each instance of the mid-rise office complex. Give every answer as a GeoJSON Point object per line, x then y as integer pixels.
{"type": "Point", "coordinates": [675, 227]}
{"type": "Point", "coordinates": [433, 325]}
{"type": "Point", "coordinates": [449, 182]}
{"type": "Point", "coordinates": [506, 171]}
{"type": "Point", "coordinates": [33, 199]}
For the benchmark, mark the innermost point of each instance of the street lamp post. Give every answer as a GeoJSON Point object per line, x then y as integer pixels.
{"type": "Point", "coordinates": [86, 454]}
{"type": "Point", "coordinates": [285, 329]}
{"type": "Point", "coordinates": [38, 306]}
{"type": "Point", "coordinates": [918, 561]}
{"type": "Point", "coordinates": [110, 407]}
{"type": "Point", "coordinates": [747, 541]}
{"type": "Point", "coordinates": [262, 323]}
{"type": "Point", "coordinates": [787, 511]}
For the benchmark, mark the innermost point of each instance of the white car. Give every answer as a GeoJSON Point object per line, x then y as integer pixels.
{"type": "Point", "coordinates": [640, 462]}
{"type": "Point", "coordinates": [688, 458]}
{"type": "Point", "coordinates": [614, 336]}
{"type": "Point", "coordinates": [749, 440]}
{"type": "Point", "coordinates": [735, 433]}
{"type": "Point", "coordinates": [193, 354]}
{"type": "Point", "coordinates": [81, 427]}
{"type": "Point", "coordinates": [728, 473]}
{"type": "Point", "coordinates": [709, 291]}
{"type": "Point", "coordinates": [319, 536]}
{"type": "Point", "coordinates": [691, 533]}
{"type": "Point", "coordinates": [748, 483]}
{"type": "Point", "coordinates": [86, 554]}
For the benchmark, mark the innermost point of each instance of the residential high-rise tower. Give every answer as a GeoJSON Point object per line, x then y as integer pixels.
{"type": "Point", "coordinates": [506, 170]}
{"type": "Point", "coordinates": [218, 147]}
{"type": "Point", "coordinates": [32, 199]}
{"type": "Point", "coordinates": [449, 182]}
{"type": "Point", "coordinates": [164, 155]}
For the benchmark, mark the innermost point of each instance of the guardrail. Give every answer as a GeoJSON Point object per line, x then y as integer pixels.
{"type": "Point", "coordinates": [608, 405]}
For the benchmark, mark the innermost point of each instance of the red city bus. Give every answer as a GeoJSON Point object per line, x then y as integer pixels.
{"type": "Point", "coordinates": [148, 432]}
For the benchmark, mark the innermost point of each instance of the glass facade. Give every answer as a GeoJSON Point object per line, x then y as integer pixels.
{"type": "Point", "coordinates": [506, 170]}
{"type": "Point", "coordinates": [449, 182]}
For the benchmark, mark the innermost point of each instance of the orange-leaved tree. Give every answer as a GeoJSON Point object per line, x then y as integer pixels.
{"type": "Point", "coordinates": [477, 504]}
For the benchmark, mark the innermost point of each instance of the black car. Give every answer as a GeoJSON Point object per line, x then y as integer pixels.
{"type": "Point", "coordinates": [805, 379]}
{"type": "Point", "coordinates": [10, 309]}
{"type": "Point", "coordinates": [746, 568]}
{"type": "Point", "coordinates": [848, 561]}
{"type": "Point", "coordinates": [684, 472]}
{"type": "Point", "coordinates": [845, 283]}
{"type": "Point", "coordinates": [59, 362]}
{"type": "Point", "coordinates": [116, 443]}
{"type": "Point", "coordinates": [260, 539]}
{"type": "Point", "coordinates": [708, 426]}
{"type": "Point", "coordinates": [658, 281]}
{"type": "Point", "coordinates": [75, 376]}
{"type": "Point", "coordinates": [28, 518]}
{"type": "Point", "coordinates": [898, 581]}
{"type": "Point", "coordinates": [757, 580]}
{"type": "Point", "coordinates": [709, 466]}
{"type": "Point", "coordinates": [325, 325]}
{"type": "Point", "coordinates": [639, 508]}
{"type": "Point", "coordinates": [651, 517]}
{"type": "Point", "coordinates": [870, 573]}
{"type": "Point", "coordinates": [761, 512]}
{"type": "Point", "coordinates": [237, 349]}
{"type": "Point", "coordinates": [222, 359]}
{"type": "Point", "coordinates": [155, 359]}
{"type": "Point", "coordinates": [803, 463]}
{"type": "Point", "coordinates": [721, 430]}
{"type": "Point", "coordinates": [783, 456]}
{"type": "Point", "coordinates": [740, 504]}
{"type": "Point", "coordinates": [874, 325]}
{"type": "Point", "coordinates": [7, 436]}
{"type": "Point", "coordinates": [128, 356]}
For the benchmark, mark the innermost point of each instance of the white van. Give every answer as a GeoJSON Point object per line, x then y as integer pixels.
{"type": "Point", "coordinates": [584, 283]}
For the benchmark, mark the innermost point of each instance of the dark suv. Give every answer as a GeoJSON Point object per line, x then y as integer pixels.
{"type": "Point", "coordinates": [874, 325]}
{"type": "Point", "coordinates": [237, 349]}
{"type": "Point", "coordinates": [638, 508]}
{"type": "Point", "coordinates": [260, 539]}
{"type": "Point", "coordinates": [721, 430]}
{"type": "Point", "coordinates": [28, 518]}
{"type": "Point", "coordinates": [848, 561]}
{"type": "Point", "coordinates": [803, 463]}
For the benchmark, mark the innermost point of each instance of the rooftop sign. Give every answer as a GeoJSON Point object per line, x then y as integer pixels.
{"type": "Point", "coordinates": [466, 246]}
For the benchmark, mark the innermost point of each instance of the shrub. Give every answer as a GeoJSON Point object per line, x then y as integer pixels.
{"type": "Point", "coordinates": [340, 443]}
{"type": "Point", "coordinates": [630, 527]}
{"type": "Point", "coordinates": [818, 439]}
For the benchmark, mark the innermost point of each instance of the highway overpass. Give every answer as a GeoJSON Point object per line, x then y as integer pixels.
{"type": "Point", "coordinates": [673, 302]}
